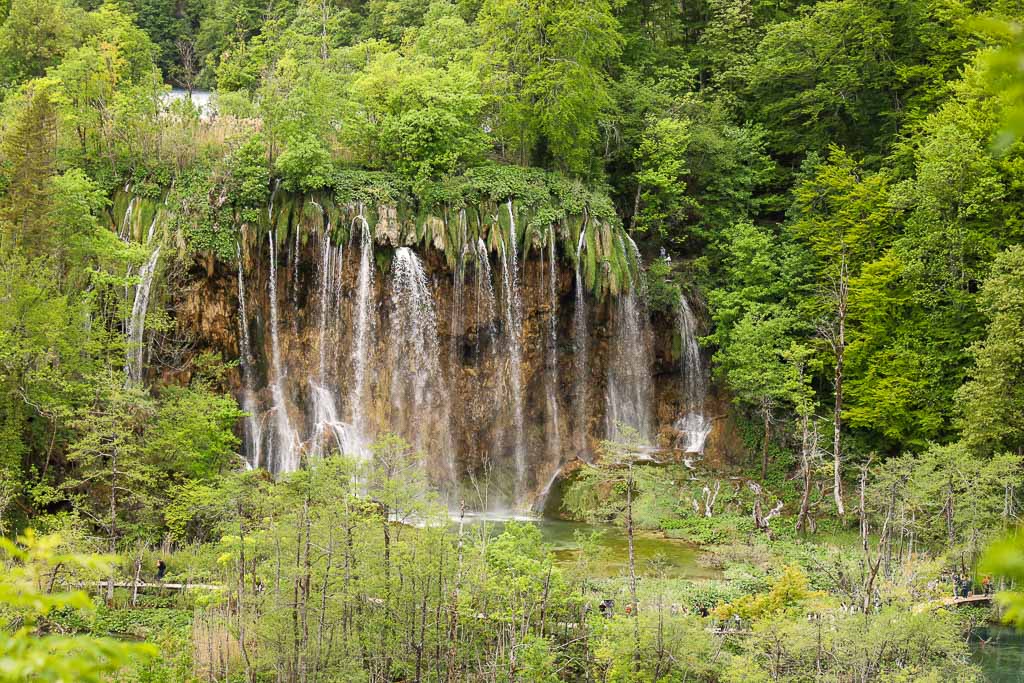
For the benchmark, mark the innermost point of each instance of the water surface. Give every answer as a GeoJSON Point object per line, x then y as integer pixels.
{"type": "Point", "coordinates": [656, 556]}
{"type": "Point", "coordinates": [999, 650]}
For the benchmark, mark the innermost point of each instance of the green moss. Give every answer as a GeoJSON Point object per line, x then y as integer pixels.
{"type": "Point", "coordinates": [541, 205]}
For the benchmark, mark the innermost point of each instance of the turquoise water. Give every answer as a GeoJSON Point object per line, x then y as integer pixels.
{"type": "Point", "coordinates": [656, 556]}
{"type": "Point", "coordinates": [999, 650]}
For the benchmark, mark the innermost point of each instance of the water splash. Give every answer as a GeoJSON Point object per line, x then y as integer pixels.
{"type": "Point", "coordinates": [693, 424]}
{"type": "Point", "coordinates": [513, 324]}
{"type": "Point", "coordinates": [629, 390]}
{"type": "Point", "coordinates": [285, 454]}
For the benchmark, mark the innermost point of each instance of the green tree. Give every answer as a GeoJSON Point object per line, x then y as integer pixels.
{"type": "Point", "coordinates": [992, 400]}
{"type": "Point", "coordinates": [545, 61]}
{"type": "Point", "coordinates": [27, 651]}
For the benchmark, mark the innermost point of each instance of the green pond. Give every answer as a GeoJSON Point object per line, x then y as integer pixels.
{"type": "Point", "coordinates": [656, 556]}
{"type": "Point", "coordinates": [999, 650]}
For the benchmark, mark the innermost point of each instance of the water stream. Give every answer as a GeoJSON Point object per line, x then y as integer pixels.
{"type": "Point", "coordinates": [692, 424]}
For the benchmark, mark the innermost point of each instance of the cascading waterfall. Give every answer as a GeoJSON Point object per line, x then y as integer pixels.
{"type": "Point", "coordinates": [137, 323]}
{"type": "Point", "coordinates": [140, 306]}
{"type": "Point", "coordinates": [328, 428]}
{"type": "Point", "coordinates": [629, 393]}
{"type": "Point", "coordinates": [513, 323]}
{"type": "Point", "coordinates": [580, 341]}
{"type": "Point", "coordinates": [693, 424]}
{"type": "Point", "coordinates": [364, 329]}
{"type": "Point", "coordinates": [418, 395]}
{"type": "Point", "coordinates": [253, 426]}
{"type": "Point", "coordinates": [286, 442]}
{"type": "Point", "coordinates": [125, 233]}
{"type": "Point", "coordinates": [327, 376]}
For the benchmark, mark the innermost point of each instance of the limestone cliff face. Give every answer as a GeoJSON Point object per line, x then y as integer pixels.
{"type": "Point", "coordinates": [486, 360]}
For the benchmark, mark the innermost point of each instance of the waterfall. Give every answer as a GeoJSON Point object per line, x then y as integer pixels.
{"type": "Point", "coordinates": [364, 328]}
{"type": "Point", "coordinates": [137, 323]}
{"type": "Point", "coordinates": [629, 392]}
{"type": "Point", "coordinates": [458, 289]}
{"type": "Point", "coordinates": [485, 302]}
{"type": "Point", "coordinates": [418, 395]}
{"type": "Point", "coordinates": [329, 278]}
{"type": "Point", "coordinates": [286, 455]}
{"type": "Point", "coordinates": [553, 426]}
{"type": "Point", "coordinates": [693, 424]}
{"type": "Point", "coordinates": [253, 427]}
{"type": "Point", "coordinates": [125, 233]}
{"type": "Point", "coordinates": [328, 428]}
{"type": "Point", "coordinates": [580, 343]}
{"type": "Point", "coordinates": [513, 324]}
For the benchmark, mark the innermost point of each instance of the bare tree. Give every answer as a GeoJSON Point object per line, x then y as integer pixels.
{"type": "Point", "coordinates": [187, 72]}
{"type": "Point", "coordinates": [834, 332]}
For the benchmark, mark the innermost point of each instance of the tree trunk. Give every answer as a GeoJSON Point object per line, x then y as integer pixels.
{"type": "Point", "coordinates": [837, 417]}
{"type": "Point", "coordinates": [767, 413]}
{"type": "Point", "coordinates": [250, 675]}
{"type": "Point", "coordinates": [632, 570]}
{"type": "Point", "coordinates": [112, 545]}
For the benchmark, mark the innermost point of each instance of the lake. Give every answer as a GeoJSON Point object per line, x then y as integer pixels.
{"type": "Point", "coordinates": [656, 556]}
{"type": "Point", "coordinates": [1002, 656]}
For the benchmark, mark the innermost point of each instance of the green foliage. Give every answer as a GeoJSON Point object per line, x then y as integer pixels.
{"type": "Point", "coordinates": [790, 593]}
{"type": "Point", "coordinates": [27, 652]}
{"type": "Point", "coordinates": [544, 69]}
{"type": "Point", "coordinates": [991, 401]}
{"type": "Point", "coordinates": [663, 290]}
{"type": "Point", "coordinates": [1005, 559]}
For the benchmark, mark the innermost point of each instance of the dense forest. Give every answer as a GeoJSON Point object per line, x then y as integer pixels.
{"type": "Point", "coordinates": [511, 340]}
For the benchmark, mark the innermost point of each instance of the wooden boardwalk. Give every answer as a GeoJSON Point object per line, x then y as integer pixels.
{"type": "Point", "coordinates": [976, 599]}
{"type": "Point", "coordinates": [142, 585]}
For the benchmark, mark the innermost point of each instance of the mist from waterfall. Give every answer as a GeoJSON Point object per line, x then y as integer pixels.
{"type": "Point", "coordinates": [629, 394]}
{"type": "Point", "coordinates": [692, 424]}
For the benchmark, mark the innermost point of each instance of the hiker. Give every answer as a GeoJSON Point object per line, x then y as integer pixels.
{"type": "Point", "coordinates": [986, 585]}
{"type": "Point", "coordinates": [161, 570]}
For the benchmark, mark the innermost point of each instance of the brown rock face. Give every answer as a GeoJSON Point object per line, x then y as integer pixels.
{"type": "Point", "coordinates": [373, 337]}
